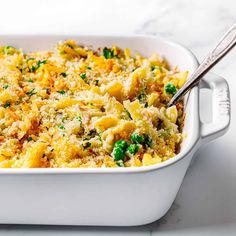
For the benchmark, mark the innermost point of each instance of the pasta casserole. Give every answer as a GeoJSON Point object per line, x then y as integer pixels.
{"type": "Point", "coordinates": [77, 107]}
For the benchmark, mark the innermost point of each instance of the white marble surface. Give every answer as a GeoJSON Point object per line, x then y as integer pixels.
{"type": "Point", "coordinates": [206, 202]}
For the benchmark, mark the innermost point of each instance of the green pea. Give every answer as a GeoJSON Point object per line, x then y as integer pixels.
{"type": "Point", "coordinates": [170, 88]}
{"type": "Point", "coordinates": [133, 149]}
{"type": "Point", "coordinates": [118, 153]}
{"type": "Point", "coordinates": [121, 143]}
{"type": "Point", "coordinates": [137, 138]}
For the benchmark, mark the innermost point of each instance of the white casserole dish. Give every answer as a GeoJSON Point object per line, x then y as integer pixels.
{"type": "Point", "coordinates": [115, 196]}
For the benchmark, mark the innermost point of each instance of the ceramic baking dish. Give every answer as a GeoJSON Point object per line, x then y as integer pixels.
{"type": "Point", "coordinates": [112, 196]}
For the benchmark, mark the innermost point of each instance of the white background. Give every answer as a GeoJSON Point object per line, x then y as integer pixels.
{"type": "Point", "coordinates": [206, 202]}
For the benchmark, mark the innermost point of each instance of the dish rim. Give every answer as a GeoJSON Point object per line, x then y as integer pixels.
{"type": "Point", "coordinates": [182, 154]}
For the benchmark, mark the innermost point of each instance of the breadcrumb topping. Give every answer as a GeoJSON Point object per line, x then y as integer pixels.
{"type": "Point", "coordinates": [78, 107]}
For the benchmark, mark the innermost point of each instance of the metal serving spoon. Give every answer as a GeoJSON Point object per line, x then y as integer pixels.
{"type": "Point", "coordinates": [227, 42]}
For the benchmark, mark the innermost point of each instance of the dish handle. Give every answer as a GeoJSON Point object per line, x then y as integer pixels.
{"type": "Point", "coordinates": [220, 107]}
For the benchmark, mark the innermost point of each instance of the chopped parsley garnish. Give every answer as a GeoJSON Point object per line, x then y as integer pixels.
{"type": "Point", "coordinates": [48, 91]}
{"type": "Point", "coordinates": [157, 67]}
{"type": "Point", "coordinates": [31, 92]}
{"type": "Point", "coordinates": [20, 69]}
{"type": "Point", "coordinates": [5, 86]}
{"type": "Point", "coordinates": [128, 114]}
{"type": "Point", "coordinates": [92, 132]}
{"type": "Point", "coordinates": [96, 82]}
{"type": "Point", "coordinates": [108, 53]}
{"type": "Point", "coordinates": [63, 74]}
{"type": "Point", "coordinates": [64, 119]}
{"type": "Point", "coordinates": [30, 80]}
{"type": "Point", "coordinates": [61, 91]}
{"type": "Point", "coordinates": [29, 139]}
{"type": "Point", "coordinates": [83, 76]}
{"type": "Point", "coordinates": [70, 46]}
{"type": "Point", "coordinates": [41, 63]}
{"type": "Point", "coordinates": [61, 126]}
{"type": "Point", "coordinates": [86, 145]}
{"type": "Point", "coordinates": [79, 118]}
{"type": "Point", "coordinates": [34, 68]}
{"type": "Point", "coordinates": [99, 136]}
{"type": "Point", "coordinates": [7, 104]}
{"type": "Point", "coordinates": [142, 98]}
{"type": "Point", "coordinates": [88, 67]}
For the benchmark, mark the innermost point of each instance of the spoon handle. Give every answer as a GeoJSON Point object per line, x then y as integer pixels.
{"type": "Point", "coordinates": [227, 42]}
